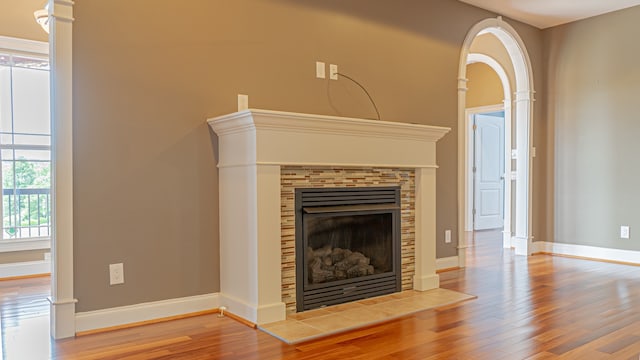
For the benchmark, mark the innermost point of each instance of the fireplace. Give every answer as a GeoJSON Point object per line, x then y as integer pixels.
{"type": "Point", "coordinates": [347, 244]}
{"type": "Point", "coordinates": [256, 261]}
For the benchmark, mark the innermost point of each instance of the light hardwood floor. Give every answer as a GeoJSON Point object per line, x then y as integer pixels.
{"type": "Point", "coordinates": [541, 307]}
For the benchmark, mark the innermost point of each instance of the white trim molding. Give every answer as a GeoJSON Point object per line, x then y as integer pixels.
{"type": "Point", "coordinates": [24, 46]}
{"type": "Point", "coordinates": [522, 114]}
{"type": "Point", "coordinates": [360, 165]}
{"type": "Point", "coordinates": [25, 268]}
{"type": "Point", "coordinates": [519, 244]}
{"type": "Point", "coordinates": [447, 263]}
{"type": "Point", "coordinates": [306, 124]}
{"type": "Point", "coordinates": [262, 314]}
{"type": "Point", "coordinates": [506, 239]}
{"type": "Point", "coordinates": [62, 300]}
{"type": "Point", "coordinates": [10, 245]}
{"type": "Point", "coordinates": [131, 314]}
{"type": "Point", "coordinates": [590, 252]}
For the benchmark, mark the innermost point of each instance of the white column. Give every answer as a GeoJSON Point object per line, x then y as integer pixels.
{"type": "Point", "coordinates": [425, 277]}
{"type": "Point", "coordinates": [463, 176]}
{"type": "Point", "coordinates": [506, 230]}
{"type": "Point", "coordinates": [60, 43]}
{"type": "Point", "coordinates": [522, 235]}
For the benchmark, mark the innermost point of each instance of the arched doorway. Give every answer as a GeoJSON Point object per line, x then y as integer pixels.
{"type": "Point", "coordinates": [518, 233]}
{"type": "Point", "coordinates": [474, 58]}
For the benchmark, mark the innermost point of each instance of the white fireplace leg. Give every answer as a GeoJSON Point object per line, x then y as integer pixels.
{"type": "Point", "coordinates": [250, 259]}
{"type": "Point", "coordinates": [425, 277]}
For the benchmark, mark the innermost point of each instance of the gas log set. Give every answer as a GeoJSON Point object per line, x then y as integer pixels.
{"type": "Point", "coordinates": [329, 264]}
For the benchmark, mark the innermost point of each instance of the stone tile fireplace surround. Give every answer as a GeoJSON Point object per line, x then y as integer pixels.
{"type": "Point", "coordinates": [293, 177]}
{"type": "Point", "coordinates": [264, 154]}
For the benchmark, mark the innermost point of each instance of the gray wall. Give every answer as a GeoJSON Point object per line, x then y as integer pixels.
{"type": "Point", "coordinates": [593, 86]}
{"type": "Point", "coordinates": [147, 76]}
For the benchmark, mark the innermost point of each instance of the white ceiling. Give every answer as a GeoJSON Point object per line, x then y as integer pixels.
{"type": "Point", "coordinates": [548, 13]}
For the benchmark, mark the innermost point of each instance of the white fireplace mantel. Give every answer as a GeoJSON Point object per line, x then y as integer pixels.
{"type": "Point", "coordinates": [254, 144]}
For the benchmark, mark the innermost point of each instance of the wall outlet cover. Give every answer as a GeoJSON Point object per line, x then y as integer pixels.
{"type": "Point", "coordinates": [116, 274]}
{"type": "Point", "coordinates": [624, 232]}
{"type": "Point", "coordinates": [333, 72]}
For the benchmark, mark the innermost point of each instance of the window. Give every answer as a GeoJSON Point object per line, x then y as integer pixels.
{"type": "Point", "coordinates": [25, 143]}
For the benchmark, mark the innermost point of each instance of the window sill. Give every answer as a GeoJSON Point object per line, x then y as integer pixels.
{"type": "Point", "coordinates": [25, 244]}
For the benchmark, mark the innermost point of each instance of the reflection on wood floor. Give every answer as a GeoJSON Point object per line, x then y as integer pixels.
{"type": "Point", "coordinates": [24, 318]}
{"type": "Point", "coordinates": [541, 307]}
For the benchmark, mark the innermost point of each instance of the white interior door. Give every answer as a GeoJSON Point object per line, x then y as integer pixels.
{"type": "Point", "coordinates": [489, 174]}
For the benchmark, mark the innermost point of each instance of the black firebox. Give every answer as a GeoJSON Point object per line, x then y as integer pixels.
{"type": "Point", "coordinates": [347, 244]}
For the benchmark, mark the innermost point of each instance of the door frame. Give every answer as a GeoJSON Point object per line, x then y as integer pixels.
{"type": "Point", "coordinates": [469, 200]}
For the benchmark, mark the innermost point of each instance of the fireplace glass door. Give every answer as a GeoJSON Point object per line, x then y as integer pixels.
{"type": "Point", "coordinates": [347, 245]}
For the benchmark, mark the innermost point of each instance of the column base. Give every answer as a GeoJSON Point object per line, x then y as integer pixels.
{"type": "Point", "coordinates": [63, 318]}
{"type": "Point", "coordinates": [424, 283]}
{"type": "Point", "coordinates": [257, 314]}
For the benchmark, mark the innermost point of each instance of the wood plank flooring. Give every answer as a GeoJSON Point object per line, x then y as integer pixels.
{"type": "Point", "coordinates": [541, 307]}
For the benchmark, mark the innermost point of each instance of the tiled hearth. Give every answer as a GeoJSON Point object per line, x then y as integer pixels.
{"type": "Point", "coordinates": [260, 150]}
{"type": "Point", "coordinates": [335, 319]}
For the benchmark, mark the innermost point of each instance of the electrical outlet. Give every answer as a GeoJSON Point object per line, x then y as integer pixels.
{"type": "Point", "coordinates": [624, 232]}
{"type": "Point", "coordinates": [447, 236]}
{"type": "Point", "coordinates": [116, 274]}
{"type": "Point", "coordinates": [320, 70]}
{"type": "Point", "coordinates": [333, 72]}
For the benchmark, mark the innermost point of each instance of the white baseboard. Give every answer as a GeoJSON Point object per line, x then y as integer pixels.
{"type": "Point", "coordinates": [25, 268]}
{"type": "Point", "coordinates": [597, 253]}
{"type": "Point", "coordinates": [506, 240]}
{"type": "Point", "coordinates": [428, 282]}
{"type": "Point", "coordinates": [447, 263]}
{"type": "Point", "coordinates": [106, 318]}
{"type": "Point", "coordinates": [520, 245]}
{"type": "Point", "coordinates": [262, 314]}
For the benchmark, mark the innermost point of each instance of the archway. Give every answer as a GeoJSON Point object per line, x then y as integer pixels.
{"type": "Point", "coordinates": [521, 115]}
{"type": "Point", "coordinates": [506, 107]}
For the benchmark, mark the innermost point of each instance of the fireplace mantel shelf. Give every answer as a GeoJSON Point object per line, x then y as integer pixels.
{"type": "Point", "coordinates": [269, 137]}
{"type": "Point", "coordinates": [255, 144]}
{"type": "Point", "coordinates": [254, 119]}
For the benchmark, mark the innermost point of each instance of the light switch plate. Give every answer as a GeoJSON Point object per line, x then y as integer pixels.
{"type": "Point", "coordinates": [320, 70]}
{"type": "Point", "coordinates": [243, 102]}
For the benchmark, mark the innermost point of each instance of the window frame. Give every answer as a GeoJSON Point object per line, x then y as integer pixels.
{"type": "Point", "coordinates": [40, 49]}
